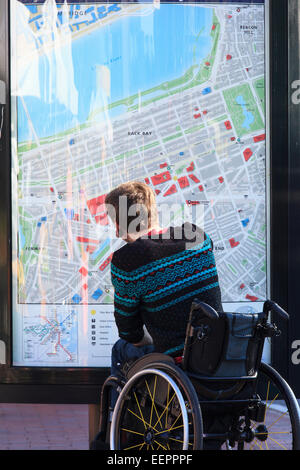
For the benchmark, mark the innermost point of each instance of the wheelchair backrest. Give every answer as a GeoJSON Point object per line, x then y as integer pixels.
{"type": "Point", "coordinates": [230, 346]}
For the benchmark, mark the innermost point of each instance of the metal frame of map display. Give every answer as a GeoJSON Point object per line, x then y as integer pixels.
{"type": "Point", "coordinates": [84, 380]}
{"type": "Point", "coordinates": [294, 182]}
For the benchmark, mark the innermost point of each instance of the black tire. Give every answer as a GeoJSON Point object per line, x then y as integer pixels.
{"type": "Point", "coordinates": [123, 434]}
{"type": "Point", "coordinates": [280, 429]}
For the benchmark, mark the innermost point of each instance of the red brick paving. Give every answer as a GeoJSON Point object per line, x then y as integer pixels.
{"type": "Point", "coordinates": [43, 427]}
{"type": "Point", "coordinates": [65, 427]}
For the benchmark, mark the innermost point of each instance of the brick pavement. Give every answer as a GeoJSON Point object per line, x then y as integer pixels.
{"type": "Point", "coordinates": [65, 427]}
{"type": "Point", "coordinates": [43, 427]}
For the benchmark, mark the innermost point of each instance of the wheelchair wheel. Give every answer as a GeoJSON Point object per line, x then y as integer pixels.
{"type": "Point", "coordinates": [280, 427]}
{"type": "Point", "coordinates": [157, 409]}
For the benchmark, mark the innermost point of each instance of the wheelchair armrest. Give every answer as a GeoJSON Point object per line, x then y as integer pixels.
{"type": "Point", "coordinates": [207, 310]}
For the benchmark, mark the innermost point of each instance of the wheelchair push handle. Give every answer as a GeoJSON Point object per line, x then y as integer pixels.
{"type": "Point", "coordinates": [207, 310]}
{"type": "Point", "coordinates": [270, 306]}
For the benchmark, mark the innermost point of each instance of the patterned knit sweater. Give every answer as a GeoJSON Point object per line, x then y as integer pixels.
{"type": "Point", "coordinates": [156, 280]}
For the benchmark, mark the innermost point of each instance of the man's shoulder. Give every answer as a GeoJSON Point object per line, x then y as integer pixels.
{"type": "Point", "coordinates": [145, 250]}
{"type": "Point", "coordinates": [130, 256]}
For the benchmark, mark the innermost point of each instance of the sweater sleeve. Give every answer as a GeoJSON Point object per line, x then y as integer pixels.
{"type": "Point", "coordinates": [126, 305]}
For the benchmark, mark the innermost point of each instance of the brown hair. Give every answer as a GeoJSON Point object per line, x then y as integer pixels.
{"type": "Point", "coordinates": [136, 194]}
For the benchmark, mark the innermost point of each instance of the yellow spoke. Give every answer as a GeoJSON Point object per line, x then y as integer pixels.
{"type": "Point", "coordinates": [267, 401]}
{"type": "Point", "coordinates": [133, 432]}
{"type": "Point", "coordinates": [171, 429]}
{"type": "Point", "coordinates": [156, 442]}
{"type": "Point", "coordinates": [140, 410]}
{"type": "Point", "coordinates": [134, 414]}
{"type": "Point", "coordinates": [152, 398]}
{"type": "Point", "coordinates": [280, 417]}
{"type": "Point", "coordinates": [153, 405]}
{"type": "Point", "coordinates": [142, 446]}
{"type": "Point", "coordinates": [177, 440]}
{"type": "Point", "coordinates": [274, 440]}
{"type": "Point", "coordinates": [272, 401]}
{"type": "Point", "coordinates": [258, 445]}
{"type": "Point", "coordinates": [167, 406]}
{"type": "Point", "coordinates": [132, 447]}
{"type": "Point", "coordinates": [177, 427]}
{"type": "Point", "coordinates": [167, 402]}
{"type": "Point", "coordinates": [263, 434]}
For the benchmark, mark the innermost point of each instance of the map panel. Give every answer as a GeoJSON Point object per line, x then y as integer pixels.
{"type": "Point", "coordinates": [51, 336]}
{"type": "Point", "coordinates": [169, 94]}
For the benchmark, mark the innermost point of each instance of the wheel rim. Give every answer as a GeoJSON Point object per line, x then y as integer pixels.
{"type": "Point", "coordinates": [150, 414]}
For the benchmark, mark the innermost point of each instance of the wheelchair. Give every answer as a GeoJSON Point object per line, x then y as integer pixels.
{"type": "Point", "coordinates": [218, 395]}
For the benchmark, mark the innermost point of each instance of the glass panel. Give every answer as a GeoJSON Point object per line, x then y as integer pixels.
{"type": "Point", "coordinates": [171, 94]}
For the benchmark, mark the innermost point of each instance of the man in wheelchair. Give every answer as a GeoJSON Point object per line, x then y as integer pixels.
{"type": "Point", "coordinates": [184, 374]}
{"type": "Point", "coordinates": [156, 275]}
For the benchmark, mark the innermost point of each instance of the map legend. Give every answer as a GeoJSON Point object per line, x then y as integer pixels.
{"type": "Point", "coordinates": [102, 335]}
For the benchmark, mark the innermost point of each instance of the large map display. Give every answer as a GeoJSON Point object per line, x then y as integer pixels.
{"type": "Point", "coordinates": [169, 94]}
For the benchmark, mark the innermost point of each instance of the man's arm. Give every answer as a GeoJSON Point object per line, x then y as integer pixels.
{"type": "Point", "coordinates": [147, 339]}
{"type": "Point", "coordinates": [127, 306]}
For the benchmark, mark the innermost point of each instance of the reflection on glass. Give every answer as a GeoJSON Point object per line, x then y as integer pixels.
{"type": "Point", "coordinates": [169, 94]}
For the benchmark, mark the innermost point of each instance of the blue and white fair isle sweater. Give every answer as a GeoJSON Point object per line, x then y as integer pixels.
{"type": "Point", "coordinates": [155, 281]}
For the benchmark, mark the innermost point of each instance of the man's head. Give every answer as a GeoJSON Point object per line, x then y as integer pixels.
{"type": "Point", "coordinates": [132, 207]}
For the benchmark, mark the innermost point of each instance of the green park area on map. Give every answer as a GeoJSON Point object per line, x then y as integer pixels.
{"type": "Point", "coordinates": [259, 87]}
{"type": "Point", "coordinates": [243, 109]}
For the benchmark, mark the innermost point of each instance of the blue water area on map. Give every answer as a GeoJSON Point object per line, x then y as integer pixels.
{"type": "Point", "coordinates": [140, 52]}
{"type": "Point", "coordinates": [32, 8]}
{"type": "Point", "coordinates": [22, 240]}
{"type": "Point", "coordinates": [249, 118]}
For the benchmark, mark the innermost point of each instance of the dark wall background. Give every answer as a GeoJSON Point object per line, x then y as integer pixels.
{"type": "Point", "coordinates": [285, 183]}
{"type": "Point", "coordinates": [294, 190]}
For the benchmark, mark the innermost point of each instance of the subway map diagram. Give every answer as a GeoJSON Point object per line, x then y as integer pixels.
{"type": "Point", "coordinates": [186, 116]}
{"type": "Point", "coordinates": [52, 336]}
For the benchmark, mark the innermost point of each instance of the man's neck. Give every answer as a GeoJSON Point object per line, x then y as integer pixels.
{"type": "Point", "coordinates": [133, 237]}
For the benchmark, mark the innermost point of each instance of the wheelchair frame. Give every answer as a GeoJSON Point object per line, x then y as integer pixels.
{"type": "Point", "coordinates": [201, 396]}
